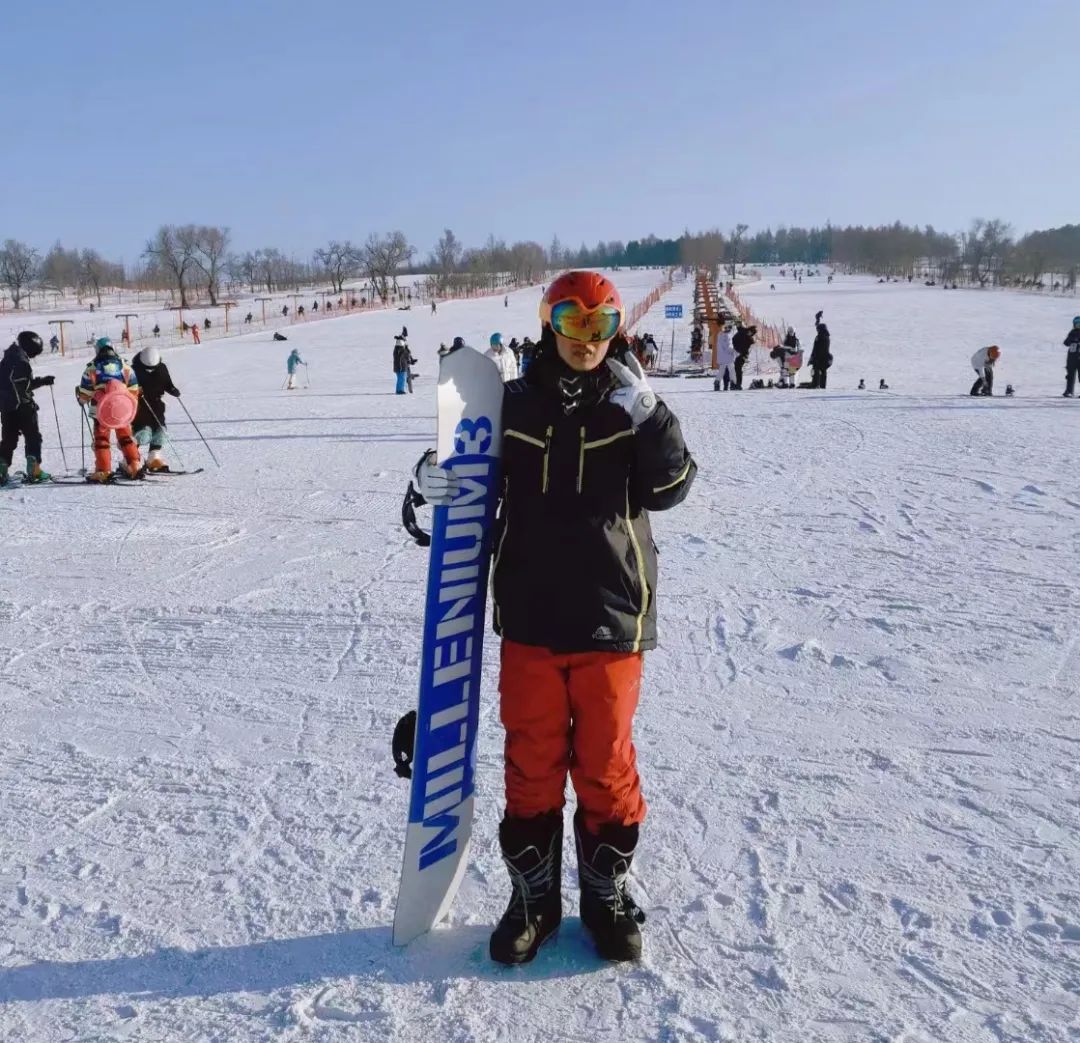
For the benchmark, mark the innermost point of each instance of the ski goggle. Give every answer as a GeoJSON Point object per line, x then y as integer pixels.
{"type": "Point", "coordinates": [570, 319]}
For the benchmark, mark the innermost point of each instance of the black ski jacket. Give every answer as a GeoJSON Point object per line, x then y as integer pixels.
{"type": "Point", "coordinates": [743, 341]}
{"type": "Point", "coordinates": [575, 562]}
{"type": "Point", "coordinates": [17, 380]}
{"type": "Point", "coordinates": [155, 384]}
{"type": "Point", "coordinates": [402, 358]}
{"type": "Point", "coordinates": [819, 354]}
{"type": "Point", "coordinates": [1072, 342]}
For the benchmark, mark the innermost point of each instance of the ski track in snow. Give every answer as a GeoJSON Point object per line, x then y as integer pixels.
{"type": "Point", "coordinates": [858, 739]}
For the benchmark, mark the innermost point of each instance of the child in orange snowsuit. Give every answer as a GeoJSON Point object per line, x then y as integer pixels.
{"type": "Point", "coordinates": [107, 367]}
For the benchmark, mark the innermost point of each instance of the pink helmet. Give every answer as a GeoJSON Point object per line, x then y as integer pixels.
{"type": "Point", "coordinates": [116, 405]}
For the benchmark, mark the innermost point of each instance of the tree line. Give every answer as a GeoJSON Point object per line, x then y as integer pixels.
{"type": "Point", "coordinates": [195, 260]}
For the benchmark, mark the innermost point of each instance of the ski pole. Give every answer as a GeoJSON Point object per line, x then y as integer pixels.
{"type": "Point", "coordinates": [59, 437]}
{"type": "Point", "coordinates": [199, 433]}
{"type": "Point", "coordinates": [82, 447]}
{"type": "Point", "coordinates": [89, 429]}
{"type": "Point", "coordinates": [307, 376]}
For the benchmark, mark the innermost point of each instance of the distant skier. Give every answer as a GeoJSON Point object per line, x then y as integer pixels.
{"type": "Point", "coordinates": [149, 424]}
{"type": "Point", "coordinates": [725, 359]}
{"type": "Point", "coordinates": [157, 330]}
{"type": "Point", "coordinates": [54, 344]}
{"type": "Point", "coordinates": [820, 357]}
{"type": "Point", "coordinates": [1072, 357]}
{"type": "Point", "coordinates": [292, 363]}
{"type": "Point", "coordinates": [652, 352]}
{"type": "Point", "coordinates": [528, 353]}
{"type": "Point", "coordinates": [434, 308]}
{"type": "Point", "coordinates": [983, 363]}
{"type": "Point", "coordinates": [18, 410]}
{"type": "Point", "coordinates": [789, 356]}
{"type": "Point", "coordinates": [503, 357]}
{"type": "Point", "coordinates": [403, 359]}
{"type": "Point", "coordinates": [588, 451]}
{"type": "Point", "coordinates": [742, 342]}
{"type": "Point", "coordinates": [108, 368]}
{"type": "Point", "coordinates": [195, 336]}
{"type": "Point", "coordinates": [206, 323]}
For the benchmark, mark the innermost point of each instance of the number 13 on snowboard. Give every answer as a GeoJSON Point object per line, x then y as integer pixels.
{"type": "Point", "coordinates": [444, 759]}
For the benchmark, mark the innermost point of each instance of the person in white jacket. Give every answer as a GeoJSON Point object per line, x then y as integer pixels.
{"type": "Point", "coordinates": [725, 358]}
{"type": "Point", "coordinates": [983, 363]}
{"type": "Point", "coordinates": [503, 357]}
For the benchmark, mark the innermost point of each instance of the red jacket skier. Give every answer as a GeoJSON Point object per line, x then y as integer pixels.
{"type": "Point", "coordinates": [588, 451]}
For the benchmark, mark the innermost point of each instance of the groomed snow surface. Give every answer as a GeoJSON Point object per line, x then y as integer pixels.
{"type": "Point", "coordinates": [859, 739]}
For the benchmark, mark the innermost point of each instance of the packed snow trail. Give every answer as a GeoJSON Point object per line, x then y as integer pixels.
{"type": "Point", "coordinates": [858, 739]}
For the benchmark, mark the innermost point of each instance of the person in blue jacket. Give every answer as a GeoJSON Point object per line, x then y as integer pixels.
{"type": "Point", "coordinates": [293, 362]}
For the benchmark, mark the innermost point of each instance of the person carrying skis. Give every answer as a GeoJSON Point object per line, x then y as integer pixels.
{"type": "Point", "coordinates": [820, 358]}
{"type": "Point", "coordinates": [983, 363]}
{"type": "Point", "coordinates": [18, 410]}
{"type": "Point", "coordinates": [106, 368]}
{"type": "Point", "coordinates": [505, 359]}
{"type": "Point", "coordinates": [155, 383]}
{"type": "Point", "coordinates": [588, 450]}
{"type": "Point", "coordinates": [403, 359]}
{"type": "Point", "coordinates": [1072, 357]}
{"type": "Point", "coordinates": [291, 364]}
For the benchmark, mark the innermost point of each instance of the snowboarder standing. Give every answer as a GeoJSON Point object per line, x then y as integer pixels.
{"type": "Point", "coordinates": [403, 359]}
{"type": "Point", "coordinates": [1072, 357]}
{"type": "Point", "coordinates": [983, 363]}
{"type": "Point", "coordinates": [503, 357]}
{"type": "Point", "coordinates": [107, 368]}
{"type": "Point", "coordinates": [149, 424]}
{"type": "Point", "coordinates": [820, 358]}
{"type": "Point", "coordinates": [18, 410]}
{"type": "Point", "coordinates": [588, 451]}
{"type": "Point", "coordinates": [291, 364]}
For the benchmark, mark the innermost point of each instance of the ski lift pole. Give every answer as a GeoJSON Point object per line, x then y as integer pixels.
{"type": "Point", "coordinates": [198, 432]}
{"type": "Point", "coordinates": [59, 437]}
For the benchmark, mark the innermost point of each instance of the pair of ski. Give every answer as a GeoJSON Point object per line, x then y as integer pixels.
{"type": "Point", "coordinates": [117, 478]}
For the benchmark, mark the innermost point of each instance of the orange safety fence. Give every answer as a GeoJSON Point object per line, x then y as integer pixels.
{"type": "Point", "coordinates": [637, 312]}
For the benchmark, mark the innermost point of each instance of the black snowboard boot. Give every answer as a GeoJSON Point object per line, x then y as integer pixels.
{"type": "Point", "coordinates": [532, 851]}
{"type": "Point", "coordinates": [608, 912]}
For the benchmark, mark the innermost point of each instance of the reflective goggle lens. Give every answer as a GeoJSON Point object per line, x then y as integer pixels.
{"type": "Point", "coordinates": [570, 319]}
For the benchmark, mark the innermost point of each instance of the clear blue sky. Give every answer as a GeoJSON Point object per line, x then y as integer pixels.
{"type": "Point", "coordinates": [294, 123]}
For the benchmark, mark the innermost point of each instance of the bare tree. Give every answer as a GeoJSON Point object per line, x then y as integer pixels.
{"type": "Point", "coordinates": [340, 261]}
{"type": "Point", "coordinates": [209, 246]}
{"type": "Point", "coordinates": [172, 250]}
{"type": "Point", "coordinates": [95, 272]}
{"type": "Point", "coordinates": [446, 259]}
{"type": "Point", "coordinates": [60, 268]}
{"type": "Point", "coordinates": [735, 242]}
{"type": "Point", "coordinates": [19, 266]}
{"type": "Point", "coordinates": [383, 257]}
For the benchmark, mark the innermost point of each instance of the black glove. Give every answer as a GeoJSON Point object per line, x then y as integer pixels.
{"type": "Point", "coordinates": [175, 392]}
{"type": "Point", "coordinates": [817, 316]}
{"type": "Point", "coordinates": [403, 743]}
{"type": "Point", "coordinates": [44, 382]}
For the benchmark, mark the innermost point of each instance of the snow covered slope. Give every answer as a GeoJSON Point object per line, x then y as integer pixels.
{"type": "Point", "coordinates": [859, 739]}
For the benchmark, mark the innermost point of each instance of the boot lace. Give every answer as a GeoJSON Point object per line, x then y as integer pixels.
{"type": "Point", "coordinates": [613, 889]}
{"type": "Point", "coordinates": [530, 886]}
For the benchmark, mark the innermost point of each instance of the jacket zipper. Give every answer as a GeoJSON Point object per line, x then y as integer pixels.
{"type": "Point", "coordinates": [581, 461]}
{"type": "Point", "coordinates": [547, 453]}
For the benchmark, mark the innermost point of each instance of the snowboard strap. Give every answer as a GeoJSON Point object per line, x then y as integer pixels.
{"type": "Point", "coordinates": [403, 742]}
{"type": "Point", "coordinates": [412, 500]}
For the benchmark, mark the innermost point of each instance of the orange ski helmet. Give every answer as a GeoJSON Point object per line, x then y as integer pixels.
{"type": "Point", "coordinates": [584, 306]}
{"type": "Point", "coordinates": [994, 351]}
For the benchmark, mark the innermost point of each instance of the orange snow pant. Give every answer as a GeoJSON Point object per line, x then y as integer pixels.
{"type": "Point", "coordinates": [102, 453]}
{"type": "Point", "coordinates": [571, 713]}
